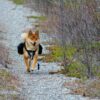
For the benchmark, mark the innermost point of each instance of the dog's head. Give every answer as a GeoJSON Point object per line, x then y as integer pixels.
{"type": "Point", "coordinates": [33, 37]}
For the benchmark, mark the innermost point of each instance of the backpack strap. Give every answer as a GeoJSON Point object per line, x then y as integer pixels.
{"type": "Point", "coordinates": [31, 53]}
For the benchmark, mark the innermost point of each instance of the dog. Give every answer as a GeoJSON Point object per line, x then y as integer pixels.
{"type": "Point", "coordinates": [31, 49]}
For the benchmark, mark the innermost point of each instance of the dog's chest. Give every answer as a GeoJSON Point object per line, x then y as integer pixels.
{"type": "Point", "coordinates": [30, 46]}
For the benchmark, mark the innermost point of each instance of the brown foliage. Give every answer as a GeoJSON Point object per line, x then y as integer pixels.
{"type": "Point", "coordinates": [4, 55]}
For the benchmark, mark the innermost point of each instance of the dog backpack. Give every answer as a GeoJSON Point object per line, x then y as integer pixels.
{"type": "Point", "coordinates": [20, 48]}
{"type": "Point", "coordinates": [40, 49]}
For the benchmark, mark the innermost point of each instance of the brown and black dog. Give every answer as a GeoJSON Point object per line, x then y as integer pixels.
{"type": "Point", "coordinates": [31, 40]}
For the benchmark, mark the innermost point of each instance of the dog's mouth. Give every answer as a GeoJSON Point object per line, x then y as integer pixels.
{"type": "Point", "coordinates": [33, 43]}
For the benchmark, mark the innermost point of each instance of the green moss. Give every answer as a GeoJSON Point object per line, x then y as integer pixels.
{"type": "Point", "coordinates": [41, 18]}
{"type": "Point", "coordinates": [56, 53]}
{"type": "Point", "coordinates": [18, 2]}
{"type": "Point", "coordinates": [72, 4]}
{"type": "Point", "coordinates": [97, 14]}
{"type": "Point", "coordinates": [95, 45]}
{"type": "Point", "coordinates": [70, 51]}
{"type": "Point", "coordinates": [96, 70]}
{"type": "Point", "coordinates": [76, 69]}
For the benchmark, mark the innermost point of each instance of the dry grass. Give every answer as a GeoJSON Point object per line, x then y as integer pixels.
{"type": "Point", "coordinates": [90, 88]}
{"type": "Point", "coordinates": [4, 55]}
{"type": "Point", "coordinates": [55, 72]}
{"type": "Point", "coordinates": [8, 82]}
{"type": "Point", "coordinates": [86, 88]}
{"type": "Point", "coordinates": [10, 97]}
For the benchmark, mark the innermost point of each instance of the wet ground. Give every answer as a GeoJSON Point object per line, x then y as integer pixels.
{"type": "Point", "coordinates": [38, 85]}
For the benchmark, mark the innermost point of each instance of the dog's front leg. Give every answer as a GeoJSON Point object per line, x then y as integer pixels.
{"type": "Point", "coordinates": [34, 61]}
{"type": "Point", "coordinates": [26, 60]}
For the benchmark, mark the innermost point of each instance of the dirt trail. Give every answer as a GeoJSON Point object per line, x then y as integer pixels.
{"type": "Point", "coordinates": [39, 85]}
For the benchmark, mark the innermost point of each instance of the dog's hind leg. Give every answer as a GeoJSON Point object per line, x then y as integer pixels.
{"type": "Point", "coordinates": [26, 60]}
{"type": "Point", "coordinates": [34, 62]}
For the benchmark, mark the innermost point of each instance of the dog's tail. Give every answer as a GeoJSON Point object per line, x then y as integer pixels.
{"type": "Point", "coordinates": [24, 36]}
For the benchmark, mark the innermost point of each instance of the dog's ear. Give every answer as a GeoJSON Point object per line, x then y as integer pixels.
{"type": "Point", "coordinates": [37, 33]}
{"type": "Point", "coordinates": [30, 33]}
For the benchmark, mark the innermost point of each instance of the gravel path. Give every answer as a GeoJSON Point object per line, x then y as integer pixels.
{"type": "Point", "coordinates": [38, 85]}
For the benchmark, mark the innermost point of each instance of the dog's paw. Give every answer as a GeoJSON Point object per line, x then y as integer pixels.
{"type": "Point", "coordinates": [32, 69]}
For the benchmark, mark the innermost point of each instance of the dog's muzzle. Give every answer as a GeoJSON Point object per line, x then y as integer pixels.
{"type": "Point", "coordinates": [33, 43]}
